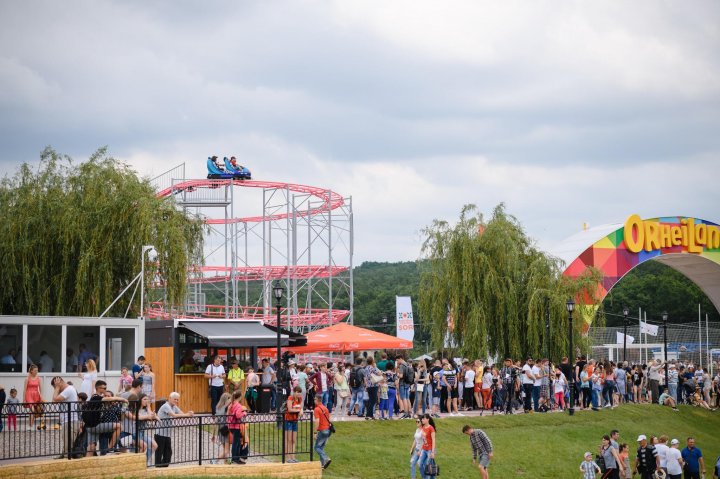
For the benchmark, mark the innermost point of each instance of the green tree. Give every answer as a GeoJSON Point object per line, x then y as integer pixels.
{"type": "Point", "coordinates": [71, 236]}
{"type": "Point", "coordinates": [496, 286]}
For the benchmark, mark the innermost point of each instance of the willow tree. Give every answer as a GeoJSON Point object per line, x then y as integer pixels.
{"type": "Point", "coordinates": [486, 289]}
{"type": "Point", "coordinates": [71, 237]}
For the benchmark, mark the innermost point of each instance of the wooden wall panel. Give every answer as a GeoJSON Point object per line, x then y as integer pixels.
{"type": "Point", "coordinates": [193, 389]}
{"type": "Point", "coordinates": [161, 360]}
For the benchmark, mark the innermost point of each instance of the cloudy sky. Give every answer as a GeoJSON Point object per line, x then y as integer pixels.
{"type": "Point", "coordinates": [568, 112]}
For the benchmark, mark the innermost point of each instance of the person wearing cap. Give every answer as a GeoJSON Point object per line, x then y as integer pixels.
{"type": "Point", "coordinates": [675, 462]}
{"type": "Point", "coordinates": [588, 467]}
{"type": "Point", "coordinates": [647, 461]}
{"type": "Point", "coordinates": [694, 462]}
{"type": "Point", "coordinates": [235, 376]}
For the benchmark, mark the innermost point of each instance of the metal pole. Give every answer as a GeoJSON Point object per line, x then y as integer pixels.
{"type": "Point", "coordinates": [665, 349]}
{"type": "Point", "coordinates": [547, 328]}
{"type": "Point", "coordinates": [625, 314]}
{"type": "Point", "coordinates": [278, 382]}
{"type": "Point", "coordinates": [571, 411]}
{"type": "Point", "coordinates": [142, 282]}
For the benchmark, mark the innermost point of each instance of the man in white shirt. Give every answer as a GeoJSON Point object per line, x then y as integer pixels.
{"type": "Point", "coordinates": [654, 379]}
{"type": "Point", "coordinates": [469, 387]}
{"type": "Point", "coordinates": [528, 379]}
{"type": "Point", "coordinates": [268, 379]}
{"type": "Point", "coordinates": [537, 382]}
{"type": "Point", "coordinates": [674, 462]}
{"type": "Point", "coordinates": [215, 373]}
{"type": "Point", "coordinates": [64, 392]}
{"type": "Point", "coordinates": [662, 449]}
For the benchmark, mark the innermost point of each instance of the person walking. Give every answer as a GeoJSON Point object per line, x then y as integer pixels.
{"type": "Point", "coordinates": [589, 468]}
{"type": "Point", "coordinates": [416, 448]}
{"type": "Point", "coordinates": [675, 462]}
{"type": "Point", "coordinates": [614, 467]}
{"type": "Point", "coordinates": [343, 392]}
{"type": "Point", "coordinates": [482, 449]}
{"type": "Point", "coordinates": [693, 458]}
{"type": "Point", "coordinates": [429, 443]}
{"type": "Point", "coordinates": [647, 461]}
{"type": "Point", "coordinates": [372, 378]}
{"type": "Point", "coordinates": [321, 419]}
{"type": "Point", "coordinates": [237, 427]}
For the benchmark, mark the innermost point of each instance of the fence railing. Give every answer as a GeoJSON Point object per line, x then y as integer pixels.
{"type": "Point", "coordinates": [42, 430]}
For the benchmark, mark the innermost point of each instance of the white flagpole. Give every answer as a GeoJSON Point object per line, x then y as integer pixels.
{"type": "Point", "coordinates": [707, 346]}
{"type": "Point", "coordinates": [647, 350]}
{"type": "Point", "coordinates": [700, 334]}
{"type": "Point", "coordinates": [640, 331]}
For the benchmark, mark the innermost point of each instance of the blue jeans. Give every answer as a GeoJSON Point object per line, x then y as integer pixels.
{"type": "Point", "coordinates": [320, 441]}
{"type": "Point", "coordinates": [357, 398]}
{"type": "Point", "coordinates": [424, 458]}
{"type": "Point", "coordinates": [414, 461]}
{"type": "Point", "coordinates": [392, 392]}
{"type": "Point", "coordinates": [607, 392]}
{"type": "Point", "coordinates": [595, 398]}
{"type": "Point", "coordinates": [215, 393]}
{"type": "Point", "coordinates": [672, 391]}
{"type": "Point", "coordinates": [372, 401]}
{"type": "Point", "coordinates": [327, 400]}
{"type": "Point", "coordinates": [536, 397]}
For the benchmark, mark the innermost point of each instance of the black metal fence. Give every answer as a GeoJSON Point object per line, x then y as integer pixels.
{"type": "Point", "coordinates": [57, 430]}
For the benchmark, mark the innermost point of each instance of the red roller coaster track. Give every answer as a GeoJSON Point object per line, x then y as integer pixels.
{"type": "Point", "coordinates": [268, 273]}
{"type": "Point", "coordinates": [329, 201]}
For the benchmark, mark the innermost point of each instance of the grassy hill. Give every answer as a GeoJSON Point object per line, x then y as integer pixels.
{"type": "Point", "coordinates": [532, 446]}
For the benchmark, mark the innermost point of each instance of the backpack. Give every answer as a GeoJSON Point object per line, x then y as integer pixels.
{"type": "Point", "coordinates": [356, 378]}
{"type": "Point", "coordinates": [408, 374]}
{"type": "Point", "coordinates": [91, 411]}
{"type": "Point", "coordinates": [600, 461]}
{"type": "Point", "coordinates": [717, 467]}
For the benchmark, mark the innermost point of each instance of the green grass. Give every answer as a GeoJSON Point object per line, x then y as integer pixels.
{"type": "Point", "coordinates": [527, 445]}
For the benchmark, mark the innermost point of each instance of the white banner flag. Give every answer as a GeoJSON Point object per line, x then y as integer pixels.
{"type": "Point", "coordinates": [621, 338]}
{"type": "Point", "coordinates": [647, 328]}
{"type": "Point", "coordinates": [404, 318]}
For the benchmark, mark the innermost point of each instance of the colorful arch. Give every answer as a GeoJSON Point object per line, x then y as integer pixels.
{"type": "Point", "coordinates": [689, 245]}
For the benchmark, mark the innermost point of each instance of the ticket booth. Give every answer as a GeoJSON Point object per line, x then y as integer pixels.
{"type": "Point", "coordinates": [180, 350]}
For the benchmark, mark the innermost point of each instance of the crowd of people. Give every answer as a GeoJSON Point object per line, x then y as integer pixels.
{"type": "Point", "coordinates": [654, 457]}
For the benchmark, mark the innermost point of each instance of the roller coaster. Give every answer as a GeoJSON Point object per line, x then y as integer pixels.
{"type": "Point", "coordinates": [298, 235]}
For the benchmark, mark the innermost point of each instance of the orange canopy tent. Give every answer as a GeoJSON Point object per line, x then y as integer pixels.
{"type": "Point", "coordinates": [344, 337]}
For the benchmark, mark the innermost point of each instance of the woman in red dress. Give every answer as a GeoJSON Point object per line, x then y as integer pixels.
{"type": "Point", "coordinates": [33, 395]}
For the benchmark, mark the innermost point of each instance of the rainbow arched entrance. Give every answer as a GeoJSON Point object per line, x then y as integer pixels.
{"type": "Point", "coordinates": [689, 245]}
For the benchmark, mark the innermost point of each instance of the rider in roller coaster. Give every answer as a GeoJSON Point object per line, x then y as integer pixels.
{"type": "Point", "coordinates": [229, 169]}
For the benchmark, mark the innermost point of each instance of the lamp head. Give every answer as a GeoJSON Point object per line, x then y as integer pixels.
{"type": "Point", "coordinates": [626, 311]}
{"type": "Point", "coordinates": [278, 290]}
{"type": "Point", "coordinates": [570, 305]}
{"type": "Point", "coordinates": [664, 316]}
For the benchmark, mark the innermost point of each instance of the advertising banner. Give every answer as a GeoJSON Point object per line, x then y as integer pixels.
{"type": "Point", "coordinates": [404, 317]}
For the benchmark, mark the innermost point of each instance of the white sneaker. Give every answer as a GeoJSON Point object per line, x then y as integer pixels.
{"type": "Point", "coordinates": [460, 414]}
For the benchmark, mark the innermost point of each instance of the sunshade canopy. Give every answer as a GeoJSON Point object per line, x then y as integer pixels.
{"type": "Point", "coordinates": [344, 337]}
{"type": "Point", "coordinates": [235, 333]}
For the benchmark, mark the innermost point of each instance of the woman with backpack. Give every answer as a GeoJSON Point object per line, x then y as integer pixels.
{"type": "Point", "coordinates": [613, 465]}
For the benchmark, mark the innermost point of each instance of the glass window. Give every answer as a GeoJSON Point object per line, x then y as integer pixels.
{"type": "Point", "coordinates": [120, 349]}
{"type": "Point", "coordinates": [193, 352]}
{"type": "Point", "coordinates": [83, 343]}
{"type": "Point", "coordinates": [10, 346]}
{"type": "Point", "coordinates": [44, 347]}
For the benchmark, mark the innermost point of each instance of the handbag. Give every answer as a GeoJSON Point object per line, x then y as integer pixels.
{"type": "Point", "coordinates": [375, 378]}
{"type": "Point", "coordinates": [600, 461]}
{"type": "Point", "coordinates": [419, 387]}
{"type": "Point", "coordinates": [431, 468]}
{"type": "Point", "coordinates": [332, 427]}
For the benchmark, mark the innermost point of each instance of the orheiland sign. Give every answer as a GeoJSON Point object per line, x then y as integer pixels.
{"type": "Point", "coordinates": [650, 235]}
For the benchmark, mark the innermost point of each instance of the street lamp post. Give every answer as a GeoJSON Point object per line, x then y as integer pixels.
{"type": "Point", "coordinates": [278, 292]}
{"type": "Point", "coordinates": [145, 249]}
{"type": "Point", "coordinates": [626, 311]}
{"type": "Point", "coordinates": [665, 318]}
{"type": "Point", "coordinates": [570, 304]}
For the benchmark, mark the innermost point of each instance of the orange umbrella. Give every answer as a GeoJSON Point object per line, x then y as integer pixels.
{"type": "Point", "coordinates": [344, 337]}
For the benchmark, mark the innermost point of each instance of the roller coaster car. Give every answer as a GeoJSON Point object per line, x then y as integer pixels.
{"type": "Point", "coordinates": [230, 173]}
